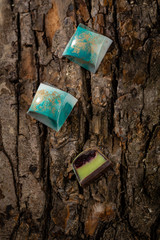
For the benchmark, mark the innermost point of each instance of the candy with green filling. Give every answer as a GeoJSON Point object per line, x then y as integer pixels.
{"type": "Point", "coordinates": [88, 165]}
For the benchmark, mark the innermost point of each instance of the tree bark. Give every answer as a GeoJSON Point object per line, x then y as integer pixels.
{"type": "Point", "coordinates": [118, 111]}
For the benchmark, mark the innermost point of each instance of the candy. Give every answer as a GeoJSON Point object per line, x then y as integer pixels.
{"type": "Point", "coordinates": [51, 106]}
{"type": "Point", "coordinates": [87, 48]}
{"type": "Point", "coordinates": [89, 164]}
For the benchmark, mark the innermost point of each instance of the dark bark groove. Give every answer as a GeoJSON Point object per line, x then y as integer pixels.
{"type": "Point", "coordinates": [117, 111]}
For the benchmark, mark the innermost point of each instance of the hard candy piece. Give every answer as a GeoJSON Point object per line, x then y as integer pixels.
{"type": "Point", "coordinates": [88, 165]}
{"type": "Point", "coordinates": [87, 48]}
{"type": "Point", "coordinates": [51, 106]}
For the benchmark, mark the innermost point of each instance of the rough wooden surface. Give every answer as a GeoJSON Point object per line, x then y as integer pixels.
{"type": "Point", "coordinates": [118, 111]}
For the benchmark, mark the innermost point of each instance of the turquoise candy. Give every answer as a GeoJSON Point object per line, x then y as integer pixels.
{"type": "Point", "coordinates": [87, 48]}
{"type": "Point", "coordinates": [51, 106]}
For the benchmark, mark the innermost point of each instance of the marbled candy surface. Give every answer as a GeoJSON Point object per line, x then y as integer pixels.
{"type": "Point", "coordinates": [87, 48]}
{"type": "Point", "coordinates": [51, 106]}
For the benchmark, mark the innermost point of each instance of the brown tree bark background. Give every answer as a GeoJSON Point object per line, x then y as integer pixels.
{"type": "Point", "coordinates": [118, 111]}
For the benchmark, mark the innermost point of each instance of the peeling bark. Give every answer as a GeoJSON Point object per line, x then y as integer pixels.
{"type": "Point", "coordinates": [118, 111]}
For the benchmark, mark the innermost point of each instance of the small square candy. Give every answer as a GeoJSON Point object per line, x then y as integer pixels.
{"type": "Point", "coordinates": [88, 165]}
{"type": "Point", "coordinates": [87, 48]}
{"type": "Point", "coordinates": [51, 106]}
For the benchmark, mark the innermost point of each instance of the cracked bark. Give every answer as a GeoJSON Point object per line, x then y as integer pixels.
{"type": "Point", "coordinates": [118, 111]}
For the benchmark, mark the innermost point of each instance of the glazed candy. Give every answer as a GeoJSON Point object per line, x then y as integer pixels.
{"type": "Point", "coordinates": [51, 106]}
{"type": "Point", "coordinates": [88, 165]}
{"type": "Point", "coordinates": [87, 48]}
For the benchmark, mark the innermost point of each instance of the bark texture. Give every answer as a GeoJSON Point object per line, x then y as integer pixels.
{"type": "Point", "coordinates": [118, 111]}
